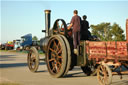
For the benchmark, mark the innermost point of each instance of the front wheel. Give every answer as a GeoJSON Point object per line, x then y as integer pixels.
{"type": "Point", "coordinates": [33, 59]}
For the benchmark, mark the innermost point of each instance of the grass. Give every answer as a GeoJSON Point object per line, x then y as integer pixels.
{"type": "Point", "coordinates": [6, 83]}
{"type": "Point", "coordinates": [40, 52]}
{"type": "Point", "coordinates": [3, 50]}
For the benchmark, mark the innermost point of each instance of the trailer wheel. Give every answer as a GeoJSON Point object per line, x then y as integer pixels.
{"type": "Point", "coordinates": [33, 59]}
{"type": "Point", "coordinates": [104, 74]}
{"type": "Point", "coordinates": [56, 58]}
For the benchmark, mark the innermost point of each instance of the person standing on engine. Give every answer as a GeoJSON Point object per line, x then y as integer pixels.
{"type": "Point", "coordinates": [76, 24]}
{"type": "Point", "coordinates": [84, 28]}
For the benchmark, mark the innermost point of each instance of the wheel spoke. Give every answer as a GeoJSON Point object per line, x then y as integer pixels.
{"type": "Point", "coordinates": [102, 68]}
{"type": "Point", "coordinates": [53, 69]}
{"type": "Point", "coordinates": [100, 71]}
{"type": "Point", "coordinates": [51, 59]}
{"type": "Point", "coordinates": [57, 68]}
{"type": "Point", "coordinates": [54, 45]}
{"type": "Point", "coordinates": [51, 49]}
{"type": "Point", "coordinates": [59, 56]}
{"type": "Point", "coordinates": [59, 51]}
{"type": "Point", "coordinates": [102, 80]}
{"type": "Point", "coordinates": [53, 56]}
{"type": "Point", "coordinates": [59, 64]}
{"type": "Point", "coordinates": [57, 46]}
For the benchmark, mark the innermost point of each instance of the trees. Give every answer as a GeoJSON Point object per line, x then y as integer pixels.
{"type": "Point", "coordinates": [34, 38]}
{"type": "Point", "coordinates": [108, 32]}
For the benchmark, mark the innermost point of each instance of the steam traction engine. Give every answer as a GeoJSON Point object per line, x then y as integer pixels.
{"type": "Point", "coordinates": [93, 57]}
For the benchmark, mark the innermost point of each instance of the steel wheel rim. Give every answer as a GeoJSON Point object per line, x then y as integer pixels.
{"type": "Point", "coordinates": [103, 75]}
{"type": "Point", "coordinates": [32, 60]}
{"type": "Point", "coordinates": [55, 56]}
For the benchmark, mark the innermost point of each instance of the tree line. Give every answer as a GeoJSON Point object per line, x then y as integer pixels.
{"type": "Point", "coordinates": [108, 32]}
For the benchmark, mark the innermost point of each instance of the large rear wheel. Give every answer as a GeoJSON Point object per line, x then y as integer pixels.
{"type": "Point", "coordinates": [68, 52]}
{"type": "Point", "coordinates": [56, 58]}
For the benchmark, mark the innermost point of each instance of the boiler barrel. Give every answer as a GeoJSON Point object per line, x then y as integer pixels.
{"type": "Point", "coordinates": [44, 43]}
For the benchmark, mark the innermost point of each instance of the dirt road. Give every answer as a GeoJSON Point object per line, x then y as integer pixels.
{"type": "Point", "coordinates": [13, 68]}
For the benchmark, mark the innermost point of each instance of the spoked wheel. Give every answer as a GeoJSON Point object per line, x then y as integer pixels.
{"type": "Point", "coordinates": [68, 52]}
{"type": "Point", "coordinates": [33, 59]}
{"type": "Point", "coordinates": [104, 74]}
{"type": "Point", "coordinates": [56, 56]}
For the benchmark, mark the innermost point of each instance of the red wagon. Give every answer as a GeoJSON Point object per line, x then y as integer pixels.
{"type": "Point", "coordinates": [109, 56]}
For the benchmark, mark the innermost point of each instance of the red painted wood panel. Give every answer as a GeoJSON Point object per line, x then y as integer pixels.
{"type": "Point", "coordinates": [122, 49]}
{"type": "Point", "coordinates": [111, 48]}
{"type": "Point", "coordinates": [97, 48]}
{"type": "Point", "coordinates": [108, 49]}
{"type": "Point", "coordinates": [127, 30]}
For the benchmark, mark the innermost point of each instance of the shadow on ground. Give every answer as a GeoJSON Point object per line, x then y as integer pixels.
{"type": "Point", "coordinates": [122, 82]}
{"type": "Point", "coordinates": [75, 75]}
{"type": "Point", "coordinates": [7, 57]}
{"type": "Point", "coordinates": [11, 65]}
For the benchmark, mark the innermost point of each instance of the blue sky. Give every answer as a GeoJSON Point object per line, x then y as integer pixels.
{"type": "Point", "coordinates": [20, 17]}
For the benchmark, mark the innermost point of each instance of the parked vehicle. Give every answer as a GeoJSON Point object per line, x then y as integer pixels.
{"type": "Point", "coordinates": [7, 46]}
{"type": "Point", "coordinates": [2, 46]}
{"type": "Point", "coordinates": [27, 42]}
{"type": "Point", "coordinates": [17, 44]}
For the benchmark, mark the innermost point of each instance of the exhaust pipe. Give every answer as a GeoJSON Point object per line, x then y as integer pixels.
{"type": "Point", "coordinates": [127, 30]}
{"type": "Point", "coordinates": [47, 22]}
{"type": "Point", "coordinates": [44, 41]}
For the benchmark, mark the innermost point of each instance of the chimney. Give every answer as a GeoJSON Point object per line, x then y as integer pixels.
{"type": "Point", "coordinates": [47, 21]}
{"type": "Point", "coordinates": [127, 30]}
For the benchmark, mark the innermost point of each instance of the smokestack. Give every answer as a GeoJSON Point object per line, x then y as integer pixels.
{"type": "Point", "coordinates": [127, 30]}
{"type": "Point", "coordinates": [47, 21]}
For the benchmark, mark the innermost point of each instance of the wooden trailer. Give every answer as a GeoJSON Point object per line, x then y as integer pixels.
{"type": "Point", "coordinates": [109, 56]}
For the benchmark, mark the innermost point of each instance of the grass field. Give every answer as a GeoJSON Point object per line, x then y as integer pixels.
{"type": "Point", "coordinates": [40, 52]}
{"type": "Point", "coordinates": [6, 83]}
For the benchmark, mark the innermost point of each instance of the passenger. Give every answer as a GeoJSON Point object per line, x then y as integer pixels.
{"type": "Point", "coordinates": [84, 28]}
{"type": "Point", "coordinates": [76, 24]}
